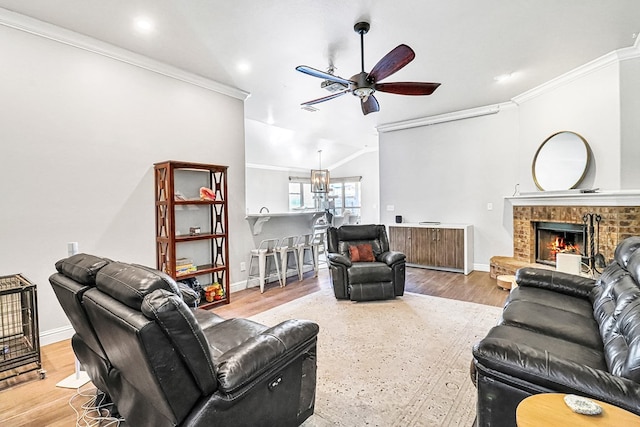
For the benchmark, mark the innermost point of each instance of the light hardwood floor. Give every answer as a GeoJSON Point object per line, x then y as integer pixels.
{"type": "Point", "coordinates": [30, 401]}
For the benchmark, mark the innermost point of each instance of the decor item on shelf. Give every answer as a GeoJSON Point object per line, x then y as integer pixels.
{"type": "Point", "coordinates": [194, 284]}
{"type": "Point", "coordinates": [194, 231]}
{"type": "Point", "coordinates": [207, 194]}
{"type": "Point", "coordinates": [364, 84]}
{"type": "Point", "coordinates": [214, 292]}
{"type": "Point", "coordinates": [319, 177]}
{"type": "Point", "coordinates": [561, 162]}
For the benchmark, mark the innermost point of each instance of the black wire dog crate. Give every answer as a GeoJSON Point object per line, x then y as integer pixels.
{"type": "Point", "coordinates": [19, 338]}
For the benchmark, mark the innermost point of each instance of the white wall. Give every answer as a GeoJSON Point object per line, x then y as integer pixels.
{"type": "Point", "coordinates": [80, 134]}
{"type": "Point", "coordinates": [589, 106]}
{"type": "Point", "coordinates": [630, 134]}
{"type": "Point", "coordinates": [450, 172]}
{"type": "Point", "coordinates": [268, 188]}
{"type": "Point", "coordinates": [367, 166]}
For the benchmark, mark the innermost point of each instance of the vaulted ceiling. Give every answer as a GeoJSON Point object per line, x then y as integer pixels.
{"type": "Point", "coordinates": [256, 45]}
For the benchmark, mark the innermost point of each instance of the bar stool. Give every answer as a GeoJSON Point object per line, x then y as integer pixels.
{"type": "Point", "coordinates": [287, 246]}
{"type": "Point", "coordinates": [319, 247]}
{"type": "Point", "coordinates": [265, 251]}
{"type": "Point", "coordinates": [305, 246]}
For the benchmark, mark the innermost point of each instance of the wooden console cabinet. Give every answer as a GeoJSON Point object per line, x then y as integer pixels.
{"type": "Point", "coordinates": [446, 247]}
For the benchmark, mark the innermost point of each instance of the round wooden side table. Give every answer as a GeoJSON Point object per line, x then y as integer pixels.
{"type": "Point", "coordinates": [549, 409]}
{"type": "Point", "coordinates": [506, 281]}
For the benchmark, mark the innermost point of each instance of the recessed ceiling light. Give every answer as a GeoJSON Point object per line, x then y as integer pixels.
{"type": "Point", "coordinates": [143, 25]}
{"type": "Point", "coordinates": [503, 77]}
{"type": "Point", "coordinates": [244, 67]}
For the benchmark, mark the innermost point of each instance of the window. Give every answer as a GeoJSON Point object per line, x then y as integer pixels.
{"type": "Point", "coordinates": [300, 196]}
{"type": "Point", "coordinates": [344, 194]}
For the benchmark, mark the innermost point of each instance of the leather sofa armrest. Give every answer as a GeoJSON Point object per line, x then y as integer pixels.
{"type": "Point", "coordinates": [339, 259]}
{"type": "Point", "coordinates": [569, 284]}
{"type": "Point", "coordinates": [392, 257]}
{"type": "Point", "coordinates": [189, 296]}
{"type": "Point", "coordinates": [521, 362]}
{"type": "Point", "coordinates": [242, 364]}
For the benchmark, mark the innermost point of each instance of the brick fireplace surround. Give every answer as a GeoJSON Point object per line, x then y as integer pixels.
{"type": "Point", "coordinates": [618, 223]}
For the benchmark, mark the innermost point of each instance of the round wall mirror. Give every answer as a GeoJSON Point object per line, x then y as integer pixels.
{"type": "Point", "coordinates": [561, 162]}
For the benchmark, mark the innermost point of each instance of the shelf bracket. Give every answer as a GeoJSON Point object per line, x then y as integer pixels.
{"type": "Point", "coordinates": [257, 226]}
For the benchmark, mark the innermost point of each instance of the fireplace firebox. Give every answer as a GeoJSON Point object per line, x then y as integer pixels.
{"type": "Point", "coordinates": [552, 238]}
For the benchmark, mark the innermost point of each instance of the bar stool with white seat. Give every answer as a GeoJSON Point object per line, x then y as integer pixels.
{"type": "Point", "coordinates": [319, 247]}
{"type": "Point", "coordinates": [319, 228]}
{"type": "Point", "coordinates": [304, 247]}
{"type": "Point", "coordinates": [286, 247]}
{"type": "Point", "coordinates": [266, 250]}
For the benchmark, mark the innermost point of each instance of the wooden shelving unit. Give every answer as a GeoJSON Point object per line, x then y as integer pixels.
{"type": "Point", "coordinates": [178, 208]}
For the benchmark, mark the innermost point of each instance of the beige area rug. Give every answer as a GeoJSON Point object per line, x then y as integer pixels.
{"type": "Point", "coordinates": [402, 362]}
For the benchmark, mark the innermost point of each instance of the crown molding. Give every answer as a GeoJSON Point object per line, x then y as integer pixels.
{"type": "Point", "coordinates": [275, 168]}
{"type": "Point", "coordinates": [590, 67]}
{"type": "Point", "coordinates": [353, 156]}
{"type": "Point", "coordinates": [559, 198]}
{"type": "Point", "coordinates": [300, 170]}
{"type": "Point", "coordinates": [606, 60]}
{"type": "Point", "coordinates": [79, 41]}
{"type": "Point", "coordinates": [443, 118]}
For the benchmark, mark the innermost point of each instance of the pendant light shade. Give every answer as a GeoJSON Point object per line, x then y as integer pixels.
{"type": "Point", "coordinates": [319, 177]}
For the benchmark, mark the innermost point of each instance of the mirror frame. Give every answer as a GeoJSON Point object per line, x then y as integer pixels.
{"type": "Point", "coordinates": [586, 165]}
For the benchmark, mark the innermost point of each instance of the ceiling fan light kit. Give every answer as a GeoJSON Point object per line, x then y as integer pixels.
{"type": "Point", "coordinates": [364, 85]}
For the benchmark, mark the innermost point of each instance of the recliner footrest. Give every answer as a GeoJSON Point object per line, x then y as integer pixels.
{"type": "Point", "coordinates": [371, 291]}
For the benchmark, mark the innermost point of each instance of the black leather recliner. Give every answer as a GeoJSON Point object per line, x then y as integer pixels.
{"type": "Point", "coordinates": [165, 364]}
{"type": "Point", "coordinates": [381, 277]}
{"type": "Point", "coordinates": [562, 333]}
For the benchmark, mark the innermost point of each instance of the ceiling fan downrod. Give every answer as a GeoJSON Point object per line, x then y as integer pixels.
{"type": "Point", "coordinates": [361, 28]}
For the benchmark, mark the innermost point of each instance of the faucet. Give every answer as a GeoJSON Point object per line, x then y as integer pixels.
{"type": "Point", "coordinates": [265, 208]}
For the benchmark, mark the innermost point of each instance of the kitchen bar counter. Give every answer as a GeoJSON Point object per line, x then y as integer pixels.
{"type": "Point", "coordinates": [284, 219]}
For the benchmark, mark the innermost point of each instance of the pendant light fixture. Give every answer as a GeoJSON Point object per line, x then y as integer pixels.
{"type": "Point", "coordinates": [319, 177]}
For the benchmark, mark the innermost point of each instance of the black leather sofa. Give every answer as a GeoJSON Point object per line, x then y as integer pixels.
{"type": "Point", "coordinates": [163, 363]}
{"type": "Point", "coordinates": [565, 334]}
{"type": "Point", "coordinates": [381, 277]}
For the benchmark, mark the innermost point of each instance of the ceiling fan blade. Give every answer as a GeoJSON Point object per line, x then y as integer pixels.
{"type": "Point", "coordinates": [408, 88]}
{"type": "Point", "coordinates": [370, 105]}
{"type": "Point", "coordinates": [325, 98]}
{"type": "Point", "coordinates": [392, 62]}
{"type": "Point", "coordinates": [322, 75]}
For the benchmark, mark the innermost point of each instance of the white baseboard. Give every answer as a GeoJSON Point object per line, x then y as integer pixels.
{"type": "Point", "coordinates": [481, 267]}
{"type": "Point", "coordinates": [56, 335]}
{"type": "Point", "coordinates": [66, 332]}
{"type": "Point", "coordinates": [253, 283]}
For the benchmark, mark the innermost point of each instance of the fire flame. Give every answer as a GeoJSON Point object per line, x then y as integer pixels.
{"type": "Point", "coordinates": [558, 245]}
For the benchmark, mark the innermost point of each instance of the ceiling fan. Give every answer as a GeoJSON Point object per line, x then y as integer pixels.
{"type": "Point", "coordinates": [364, 84]}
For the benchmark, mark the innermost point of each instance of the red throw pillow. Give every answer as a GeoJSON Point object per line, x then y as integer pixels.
{"type": "Point", "coordinates": [361, 253]}
{"type": "Point", "coordinates": [354, 254]}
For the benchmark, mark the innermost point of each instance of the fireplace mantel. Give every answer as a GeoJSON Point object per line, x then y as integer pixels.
{"type": "Point", "coordinates": [569, 198]}
{"type": "Point", "coordinates": [619, 212]}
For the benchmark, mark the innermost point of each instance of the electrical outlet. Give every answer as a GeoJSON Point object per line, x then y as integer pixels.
{"type": "Point", "coordinates": [391, 208]}
{"type": "Point", "coordinates": [243, 266]}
